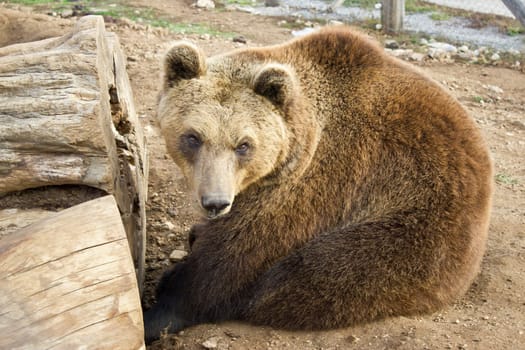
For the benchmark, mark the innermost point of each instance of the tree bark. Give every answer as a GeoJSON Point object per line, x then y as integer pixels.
{"type": "Point", "coordinates": [68, 282]}
{"type": "Point", "coordinates": [67, 117]}
{"type": "Point", "coordinates": [392, 15]}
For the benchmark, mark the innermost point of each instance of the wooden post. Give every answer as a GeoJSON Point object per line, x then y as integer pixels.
{"type": "Point", "coordinates": [67, 118]}
{"type": "Point", "coordinates": [67, 282]}
{"type": "Point", "coordinates": [392, 15]}
{"type": "Point", "coordinates": [517, 7]}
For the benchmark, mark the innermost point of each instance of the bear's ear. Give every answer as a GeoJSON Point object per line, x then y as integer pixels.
{"type": "Point", "coordinates": [276, 82]}
{"type": "Point", "coordinates": [183, 61]}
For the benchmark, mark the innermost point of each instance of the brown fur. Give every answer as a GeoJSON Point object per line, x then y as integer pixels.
{"type": "Point", "coordinates": [366, 193]}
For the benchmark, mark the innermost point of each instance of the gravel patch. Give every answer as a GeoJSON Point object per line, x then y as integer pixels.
{"type": "Point", "coordinates": [454, 29]}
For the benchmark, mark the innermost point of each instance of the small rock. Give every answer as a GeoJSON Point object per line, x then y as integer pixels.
{"type": "Point", "coordinates": [438, 318]}
{"type": "Point", "coordinates": [495, 57]}
{"type": "Point", "coordinates": [445, 47]}
{"type": "Point", "coordinates": [178, 255]}
{"type": "Point", "coordinates": [333, 22]}
{"type": "Point", "coordinates": [66, 13]}
{"type": "Point", "coordinates": [168, 225]}
{"type": "Point", "coordinates": [439, 54]}
{"type": "Point", "coordinates": [205, 4]}
{"type": "Point", "coordinates": [463, 48]}
{"type": "Point", "coordinates": [494, 88]}
{"type": "Point", "coordinates": [482, 49]}
{"type": "Point", "coordinates": [466, 54]}
{"type": "Point", "coordinates": [205, 36]}
{"type": "Point", "coordinates": [173, 212]}
{"type": "Point", "coordinates": [423, 41]}
{"type": "Point", "coordinates": [417, 56]}
{"type": "Point", "coordinates": [231, 334]}
{"type": "Point", "coordinates": [302, 31]}
{"type": "Point", "coordinates": [239, 39]}
{"type": "Point", "coordinates": [211, 343]}
{"type": "Point", "coordinates": [160, 240]}
{"type": "Point", "coordinates": [401, 52]}
{"type": "Point", "coordinates": [391, 44]}
{"type": "Point", "coordinates": [352, 339]}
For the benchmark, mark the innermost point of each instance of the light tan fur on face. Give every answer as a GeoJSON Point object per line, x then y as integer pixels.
{"type": "Point", "coordinates": [223, 123]}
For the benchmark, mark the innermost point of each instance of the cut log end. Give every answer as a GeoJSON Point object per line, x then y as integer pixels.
{"type": "Point", "coordinates": [76, 288]}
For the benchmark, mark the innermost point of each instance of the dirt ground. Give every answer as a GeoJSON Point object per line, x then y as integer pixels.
{"type": "Point", "coordinates": [490, 316]}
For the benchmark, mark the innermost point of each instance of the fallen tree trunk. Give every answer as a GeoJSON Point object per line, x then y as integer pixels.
{"type": "Point", "coordinates": [68, 282]}
{"type": "Point", "coordinates": [67, 117]}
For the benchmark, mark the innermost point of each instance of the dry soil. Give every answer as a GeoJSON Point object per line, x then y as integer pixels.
{"type": "Point", "coordinates": [490, 316]}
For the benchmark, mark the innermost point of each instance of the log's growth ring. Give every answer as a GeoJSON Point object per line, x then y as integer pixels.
{"type": "Point", "coordinates": [68, 282]}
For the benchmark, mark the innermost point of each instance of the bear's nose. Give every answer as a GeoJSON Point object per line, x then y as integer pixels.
{"type": "Point", "coordinates": [214, 204]}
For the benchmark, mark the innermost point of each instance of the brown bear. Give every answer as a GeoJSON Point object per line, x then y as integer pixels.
{"type": "Point", "coordinates": [340, 186]}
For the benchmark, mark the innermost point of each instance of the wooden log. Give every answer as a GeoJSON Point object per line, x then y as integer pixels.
{"type": "Point", "coordinates": [68, 282]}
{"type": "Point", "coordinates": [517, 7]}
{"type": "Point", "coordinates": [55, 112]}
{"type": "Point", "coordinates": [392, 15]}
{"type": "Point", "coordinates": [67, 117]}
{"type": "Point", "coordinates": [132, 183]}
{"type": "Point", "coordinates": [12, 220]}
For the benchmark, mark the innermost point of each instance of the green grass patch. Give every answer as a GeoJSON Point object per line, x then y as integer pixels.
{"type": "Point", "coordinates": [119, 9]}
{"type": "Point", "coordinates": [38, 2]}
{"type": "Point", "coordinates": [51, 5]}
{"type": "Point", "coordinates": [416, 6]}
{"type": "Point", "coordinates": [359, 3]}
{"type": "Point", "coordinates": [478, 99]}
{"type": "Point", "coordinates": [513, 31]}
{"type": "Point", "coordinates": [505, 179]}
{"type": "Point", "coordinates": [440, 16]}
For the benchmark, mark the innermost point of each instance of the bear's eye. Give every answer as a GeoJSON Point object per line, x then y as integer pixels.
{"type": "Point", "coordinates": [193, 141]}
{"type": "Point", "coordinates": [242, 149]}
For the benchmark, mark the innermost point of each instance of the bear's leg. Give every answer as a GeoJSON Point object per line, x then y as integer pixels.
{"type": "Point", "coordinates": [164, 316]}
{"type": "Point", "coordinates": [353, 275]}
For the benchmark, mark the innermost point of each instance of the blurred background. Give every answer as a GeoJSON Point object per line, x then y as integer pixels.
{"type": "Point", "coordinates": [483, 23]}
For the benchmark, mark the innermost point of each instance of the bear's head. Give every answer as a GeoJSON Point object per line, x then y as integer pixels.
{"type": "Point", "coordinates": [227, 122]}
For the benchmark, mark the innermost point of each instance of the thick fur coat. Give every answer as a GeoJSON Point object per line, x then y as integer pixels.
{"type": "Point", "coordinates": [341, 186]}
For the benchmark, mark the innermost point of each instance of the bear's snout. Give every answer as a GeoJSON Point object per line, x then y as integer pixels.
{"type": "Point", "coordinates": [216, 204]}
